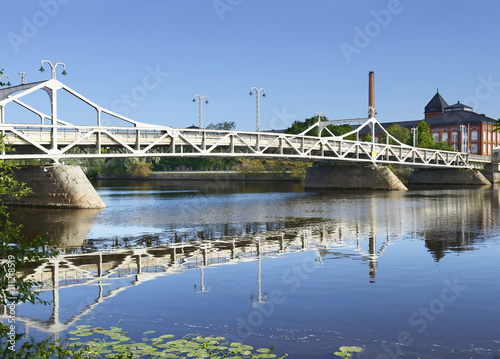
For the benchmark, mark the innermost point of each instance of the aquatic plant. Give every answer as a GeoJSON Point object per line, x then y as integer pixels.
{"type": "Point", "coordinates": [346, 352]}
{"type": "Point", "coordinates": [114, 343]}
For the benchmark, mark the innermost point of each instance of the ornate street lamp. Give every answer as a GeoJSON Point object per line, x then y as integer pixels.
{"type": "Point", "coordinates": [53, 68]}
{"type": "Point", "coordinates": [257, 91]}
{"type": "Point", "coordinates": [200, 98]}
{"type": "Point", "coordinates": [8, 78]}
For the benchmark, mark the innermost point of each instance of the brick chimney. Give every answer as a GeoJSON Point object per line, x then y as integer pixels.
{"type": "Point", "coordinates": [371, 94]}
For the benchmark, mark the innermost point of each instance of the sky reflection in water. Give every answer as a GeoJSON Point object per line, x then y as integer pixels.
{"type": "Point", "coordinates": [270, 263]}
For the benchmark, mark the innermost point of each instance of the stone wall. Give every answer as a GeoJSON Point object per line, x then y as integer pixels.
{"type": "Point", "coordinates": [352, 177]}
{"type": "Point", "coordinates": [58, 186]}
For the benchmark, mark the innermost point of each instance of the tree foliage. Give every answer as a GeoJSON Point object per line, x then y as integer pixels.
{"type": "Point", "coordinates": [298, 127]}
{"type": "Point", "coordinates": [221, 126]}
{"type": "Point", "coordinates": [255, 166]}
{"type": "Point", "coordinates": [402, 134]}
{"type": "Point", "coordinates": [425, 140]}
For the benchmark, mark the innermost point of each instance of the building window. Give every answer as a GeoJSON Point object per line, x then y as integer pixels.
{"type": "Point", "coordinates": [473, 136]}
{"type": "Point", "coordinates": [436, 136]}
{"type": "Point", "coordinates": [444, 136]}
{"type": "Point", "coordinates": [454, 136]}
{"type": "Point", "coordinates": [455, 146]}
{"type": "Point", "coordinates": [484, 149]}
{"type": "Point", "coordinates": [489, 136]}
{"type": "Point", "coordinates": [484, 135]}
{"type": "Point", "coordinates": [473, 148]}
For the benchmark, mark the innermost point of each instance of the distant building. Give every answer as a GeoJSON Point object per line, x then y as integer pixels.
{"type": "Point", "coordinates": [457, 125]}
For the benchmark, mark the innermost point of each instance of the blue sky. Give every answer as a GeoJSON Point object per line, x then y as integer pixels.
{"type": "Point", "coordinates": [146, 59]}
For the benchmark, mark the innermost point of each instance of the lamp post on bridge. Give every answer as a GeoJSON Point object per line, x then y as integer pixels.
{"type": "Point", "coordinates": [464, 139]}
{"type": "Point", "coordinates": [414, 131]}
{"type": "Point", "coordinates": [53, 68]}
{"type": "Point", "coordinates": [8, 79]}
{"type": "Point", "coordinates": [23, 77]}
{"type": "Point", "coordinates": [200, 98]}
{"type": "Point", "coordinates": [257, 91]}
{"type": "Point", "coordinates": [53, 100]}
{"type": "Point", "coordinates": [319, 114]}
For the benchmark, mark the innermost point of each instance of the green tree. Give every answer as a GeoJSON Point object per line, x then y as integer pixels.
{"type": "Point", "coordinates": [300, 126]}
{"type": "Point", "coordinates": [402, 134]}
{"type": "Point", "coordinates": [497, 125]}
{"type": "Point", "coordinates": [228, 126]}
{"type": "Point", "coordinates": [424, 138]}
{"type": "Point", "coordinates": [367, 138]}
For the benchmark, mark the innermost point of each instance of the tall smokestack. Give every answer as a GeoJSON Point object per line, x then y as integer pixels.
{"type": "Point", "coordinates": [371, 94]}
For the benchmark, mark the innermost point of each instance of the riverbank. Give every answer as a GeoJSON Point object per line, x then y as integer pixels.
{"type": "Point", "coordinates": [212, 176]}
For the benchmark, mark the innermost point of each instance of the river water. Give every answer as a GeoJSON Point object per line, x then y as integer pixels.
{"type": "Point", "coordinates": [268, 264]}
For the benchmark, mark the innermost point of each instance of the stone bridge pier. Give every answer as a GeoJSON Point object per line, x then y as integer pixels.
{"type": "Point", "coordinates": [56, 186]}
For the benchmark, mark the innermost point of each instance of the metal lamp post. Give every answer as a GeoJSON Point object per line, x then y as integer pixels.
{"type": "Point", "coordinates": [464, 138]}
{"type": "Point", "coordinates": [200, 98]}
{"type": "Point", "coordinates": [319, 114]}
{"type": "Point", "coordinates": [8, 79]}
{"type": "Point", "coordinates": [23, 77]}
{"type": "Point", "coordinates": [257, 91]}
{"type": "Point", "coordinates": [53, 68]}
{"type": "Point", "coordinates": [414, 130]}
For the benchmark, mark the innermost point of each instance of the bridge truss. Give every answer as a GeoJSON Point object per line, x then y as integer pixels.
{"type": "Point", "coordinates": [55, 139]}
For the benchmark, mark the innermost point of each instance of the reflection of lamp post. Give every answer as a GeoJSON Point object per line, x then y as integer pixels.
{"type": "Point", "coordinates": [260, 299]}
{"type": "Point", "coordinates": [202, 275]}
{"type": "Point", "coordinates": [53, 68]}
{"type": "Point", "coordinates": [8, 78]}
{"type": "Point", "coordinates": [257, 91]}
{"type": "Point", "coordinates": [200, 98]}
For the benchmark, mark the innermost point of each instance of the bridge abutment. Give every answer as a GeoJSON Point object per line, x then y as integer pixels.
{"type": "Point", "coordinates": [57, 186]}
{"type": "Point", "coordinates": [353, 177]}
{"type": "Point", "coordinates": [461, 177]}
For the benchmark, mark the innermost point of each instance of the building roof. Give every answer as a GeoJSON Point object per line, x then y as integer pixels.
{"type": "Point", "coordinates": [453, 118]}
{"type": "Point", "coordinates": [457, 107]}
{"type": "Point", "coordinates": [436, 104]}
{"type": "Point", "coordinates": [450, 119]}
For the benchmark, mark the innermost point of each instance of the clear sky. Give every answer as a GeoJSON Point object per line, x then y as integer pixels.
{"type": "Point", "coordinates": [146, 59]}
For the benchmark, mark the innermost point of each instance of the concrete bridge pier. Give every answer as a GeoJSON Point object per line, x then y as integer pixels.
{"type": "Point", "coordinates": [448, 177]}
{"type": "Point", "coordinates": [58, 186]}
{"type": "Point", "coordinates": [352, 177]}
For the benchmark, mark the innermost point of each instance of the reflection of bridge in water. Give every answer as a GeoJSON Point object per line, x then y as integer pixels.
{"type": "Point", "coordinates": [468, 216]}
{"type": "Point", "coordinates": [137, 265]}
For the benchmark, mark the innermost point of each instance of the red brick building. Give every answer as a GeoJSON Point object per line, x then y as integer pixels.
{"type": "Point", "coordinates": [458, 125]}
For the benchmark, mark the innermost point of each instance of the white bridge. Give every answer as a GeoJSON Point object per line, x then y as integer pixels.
{"type": "Point", "coordinates": [56, 139]}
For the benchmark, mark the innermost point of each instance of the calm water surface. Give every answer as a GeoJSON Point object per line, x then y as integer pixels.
{"type": "Point", "coordinates": [413, 273]}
